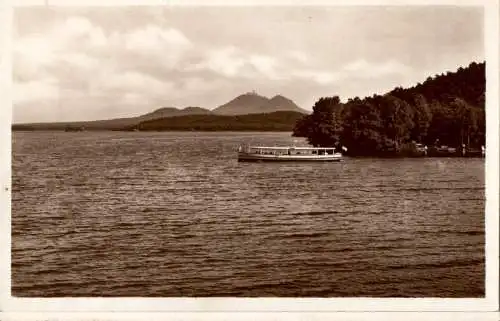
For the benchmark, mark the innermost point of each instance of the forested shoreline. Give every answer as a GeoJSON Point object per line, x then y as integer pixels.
{"type": "Point", "coordinates": [275, 121]}
{"type": "Point", "coordinates": [444, 110]}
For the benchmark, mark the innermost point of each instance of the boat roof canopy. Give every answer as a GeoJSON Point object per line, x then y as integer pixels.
{"type": "Point", "coordinates": [299, 148]}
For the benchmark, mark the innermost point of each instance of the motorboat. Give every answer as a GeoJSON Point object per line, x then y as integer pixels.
{"type": "Point", "coordinates": [279, 153]}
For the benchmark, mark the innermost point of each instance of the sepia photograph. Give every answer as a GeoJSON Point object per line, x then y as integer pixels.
{"type": "Point", "coordinates": [257, 151]}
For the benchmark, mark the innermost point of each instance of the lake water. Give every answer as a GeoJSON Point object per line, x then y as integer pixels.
{"type": "Point", "coordinates": [175, 214]}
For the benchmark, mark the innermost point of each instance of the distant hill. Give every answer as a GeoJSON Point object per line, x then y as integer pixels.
{"type": "Point", "coordinates": [245, 104]}
{"type": "Point", "coordinates": [252, 103]}
{"type": "Point", "coordinates": [114, 124]}
{"type": "Point", "coordinates": [172, 111]}
{"type": "Point", "coordinates": [275, 121]}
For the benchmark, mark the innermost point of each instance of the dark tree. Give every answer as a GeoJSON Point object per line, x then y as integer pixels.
{"type": "Point", "coordinates": [397, 116]}
{"type": "Point", "coordinates": [363, 129]}
{"type": "Point", "coordinates": [324, 123]}
{"type": "Point", "coordinates": [422, 117]}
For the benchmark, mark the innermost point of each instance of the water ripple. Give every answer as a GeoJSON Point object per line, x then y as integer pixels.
{"type": "Point", "coordinates": [174, 214]}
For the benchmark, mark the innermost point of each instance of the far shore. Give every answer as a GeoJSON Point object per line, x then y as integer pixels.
{"type": "Point", "coordinates": [433, 151]}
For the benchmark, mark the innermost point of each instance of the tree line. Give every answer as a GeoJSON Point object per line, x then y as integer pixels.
{"type": "Point", "coordinates": [447, 109]}
{"type": "Point", "coordinates": [275, 121]}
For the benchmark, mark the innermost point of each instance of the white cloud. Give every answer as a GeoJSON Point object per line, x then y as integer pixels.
{"type": "Point", "coordinates": [76, 26]}
{"type": "Point", "coordinates": [43, 89]}
{"type": "Point", "coordinates": [77, 31]}
{"type": "Point", "coordinates": [166, 46]}
{"type": "Point", "coordinates": [233, 62]}
{"type": "Point", "coordinates": [264, 65]}
{"type": "Point", "coordinates": [154, 38]}
{"type": "Point", "coordinates": [132, 81]}
{"type": "Point", "coordinates": [363, 69]}
{"type": "Point", "coordinates": [35, 50]}
{"type": "Point", "coordinates": [133, 98]}
{"type": "Point", "coordinates": [76, 51]}
{"type": "Point", "coordinates": [68, 42]}
{"type": "Point", "coordinates": [227, 61]}
{"type": "Point", "coordinates": [298, 56]}
{"type": "Point", "coordinates": [196, 85]}
{"type": "Point", "coordinates": [80, 60]}
{"type": "Point", "coordinates": [320, 77]}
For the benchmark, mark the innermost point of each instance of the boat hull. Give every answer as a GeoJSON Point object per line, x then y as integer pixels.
{"type": "Point", "coordinates": [245, 157]}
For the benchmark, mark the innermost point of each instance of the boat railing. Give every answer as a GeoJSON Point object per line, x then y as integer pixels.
{"type": "Point", "coordinates": [292, 150]}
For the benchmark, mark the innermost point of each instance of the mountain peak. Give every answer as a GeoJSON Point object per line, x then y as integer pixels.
{"type": "Point", "coordinates": [280, 98]}
{"type": "Point", "coordinates": [251, 93]}
{"type": "Point", "coordinates": [163, 110]}
{"type": "Point", "coordinates": [194, 108]}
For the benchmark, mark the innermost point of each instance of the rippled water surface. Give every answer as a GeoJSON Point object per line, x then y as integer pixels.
{"type": "Point", "coordinates": [174, 214]}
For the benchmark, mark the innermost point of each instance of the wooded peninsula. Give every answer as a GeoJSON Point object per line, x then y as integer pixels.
{"type": "Point", "coordinates": [445, 111]}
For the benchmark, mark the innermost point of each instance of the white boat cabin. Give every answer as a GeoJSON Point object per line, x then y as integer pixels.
{"type": "Point", "coordinates": [262, 150]}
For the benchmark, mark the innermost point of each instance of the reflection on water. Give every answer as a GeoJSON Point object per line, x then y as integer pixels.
{"type": "Point", "coordinates": [174, 214]}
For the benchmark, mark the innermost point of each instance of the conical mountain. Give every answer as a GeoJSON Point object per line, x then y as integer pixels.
{"type": "Point", "coordinates": [253, 103]}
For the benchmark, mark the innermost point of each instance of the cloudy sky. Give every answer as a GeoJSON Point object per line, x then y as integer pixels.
{"type": "Point", "coordinates": [104, 62]}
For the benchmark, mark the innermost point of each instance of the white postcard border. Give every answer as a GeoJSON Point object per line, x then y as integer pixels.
{"type": "Point", "coordinates": [489, 303]}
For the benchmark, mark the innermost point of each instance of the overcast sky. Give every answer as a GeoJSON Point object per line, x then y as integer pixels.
{"type": "Point", "coordinates": [98, 63]}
